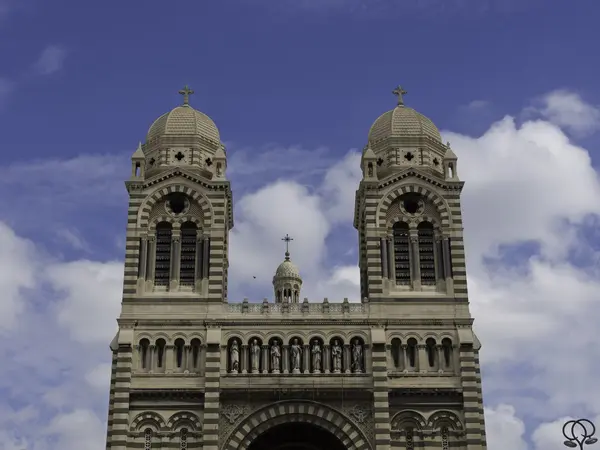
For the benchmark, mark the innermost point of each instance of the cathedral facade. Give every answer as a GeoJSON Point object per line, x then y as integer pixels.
{"type": "Point", "coordinates": [396, 369]}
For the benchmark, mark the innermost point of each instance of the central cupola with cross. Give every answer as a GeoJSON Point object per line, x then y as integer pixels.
{"type": "Point", "coordinates": [287, 281]}
{"type": "Point", "coordinates": [183, 137]}
{"type": "Point", "coordinates": [403, 138]}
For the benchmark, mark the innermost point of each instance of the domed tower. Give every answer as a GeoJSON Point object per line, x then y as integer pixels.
{"type": "Point", "coordinates": [287, 281]}
{"type": "Point", "coordinates": [180, 209]}
{"type": "Point", "coordinates": [407, 210]}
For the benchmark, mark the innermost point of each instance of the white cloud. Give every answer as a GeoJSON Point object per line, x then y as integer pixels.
{"type": "Point", "coordinates": [51, 60]}
{"type": "Point", "coordinates": [99, 377]}
{"type": "Point", "coordinates": [569, 111]}
{"type": "Point", "coordinates": [503, 429]}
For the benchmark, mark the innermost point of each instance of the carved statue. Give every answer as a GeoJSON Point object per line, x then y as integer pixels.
{"type": "Point", "coordinates": [296, 350]}
{"type": "Point", "coordinates": [275, 356]}
{"type": "Point", "coordinates": [316, 357]}
{"type": "Point", "coordinates": [357, 353]}
{"type": "Point", "coordinates": [336, 356]}
{"type": "Point", "coordinates": [254, 356]}
{"type": "Point", "coordinates": [234, 357]}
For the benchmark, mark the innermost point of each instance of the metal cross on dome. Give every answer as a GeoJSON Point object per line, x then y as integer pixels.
{"type": "Point", "coordinates": [399, 91]}
{"type": "Point", "coordinates": [287, 240]}
{"type": "Point", "coordinates": [186, 92]}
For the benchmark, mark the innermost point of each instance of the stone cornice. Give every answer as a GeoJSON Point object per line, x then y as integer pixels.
{"type": "Point", "coordinates": [168, 394]}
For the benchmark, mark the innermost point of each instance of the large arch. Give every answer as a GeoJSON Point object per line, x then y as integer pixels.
{"type": "Point", "coordinates": [428, 193]}
{"type": "Point", "coordinates": [305, 412]}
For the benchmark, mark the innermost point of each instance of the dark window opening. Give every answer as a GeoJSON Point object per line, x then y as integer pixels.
{"type": "Point", "coordinates": [163, 254]}
{"type": "Point", "coordinates": [188, 254]}
{"type": "Point", "coordinates": [401, 253]}
{"type": "Point", "coordinates": [426, 253]}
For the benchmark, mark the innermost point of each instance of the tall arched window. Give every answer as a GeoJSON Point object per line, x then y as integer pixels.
{"type": "Point", "coordinates": [195, 351]}
{"type": "Point", "coordinates": [411, 352]}
{"type": "Point", "coordinates": [447, 348]}
{"type": "Point", "coordinates": [430, 347]}
{"type": "Point", "coordinates": [396, 349]}
{"type": "Point", "coordinates": [162, 266]}
{"type": "Point", "coordinates": [401, 253]}
{"type": "Point", "coordinates": [426, 254]}
{"type": "Point", "coordinates": [144, 356]}
{"type": "Point", "coordinates": [160, 353]}
{"type": "Point", "coordinates": [188, 254]}
{"type": "Point", "coordinates": [148, 439]}
{"type": "Point", "coordinates": [179, 347]}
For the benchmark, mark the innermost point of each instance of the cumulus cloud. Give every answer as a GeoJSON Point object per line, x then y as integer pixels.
{"type": "Point", "coordinates": [529, 202]}
{"type": "Point", "coordinates": [569, 111]}
{"type": "Point", "coordinates": [51, 60]}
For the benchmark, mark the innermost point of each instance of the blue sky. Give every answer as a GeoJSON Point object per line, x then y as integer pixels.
{"type": "Point", "coordinates": [293, 87]}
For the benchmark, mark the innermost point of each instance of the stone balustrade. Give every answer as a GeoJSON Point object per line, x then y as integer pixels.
{"type": "Point", "coordinates": [305, 307]}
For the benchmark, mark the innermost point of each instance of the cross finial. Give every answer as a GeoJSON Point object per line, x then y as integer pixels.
{"type": "Point", "coordinates": [186, 92]}
{"type": "Point", "coordinates": [399, 91]}
{"type": "Point", "coordinates": [287, 240]}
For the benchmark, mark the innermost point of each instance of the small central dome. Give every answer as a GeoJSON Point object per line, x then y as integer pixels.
{"type": "Point", "coordinates": [403, 121]}
{"type": "Point", "coordinates": [287, 269]}
{"type": "Point", "coordinates": [184, 121]}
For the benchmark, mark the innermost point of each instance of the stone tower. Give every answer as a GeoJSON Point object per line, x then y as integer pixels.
{"type": "Point", "coordinates": [396, 369]}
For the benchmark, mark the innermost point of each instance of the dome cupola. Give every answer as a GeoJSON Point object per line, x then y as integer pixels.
{"type": "Point", "coordinates": [287, 281]}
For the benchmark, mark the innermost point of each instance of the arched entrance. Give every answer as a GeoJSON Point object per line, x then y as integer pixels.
{"type": "Point", "coordinates": [296, 436]}
{"type": "Point", "coordinates": [296, 425]}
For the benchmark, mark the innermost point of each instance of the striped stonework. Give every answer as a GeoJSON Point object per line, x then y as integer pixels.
{"type": "Point", "coordinates": [381, 406]}
{"type": "Point", "coordinates": [117, 439]}
{"type": "Point", "coordinates": [132, 246]}
{"type": "Point", "coordinates": [472, 406]}
{"type": "Point", "coordinates": [480, 400]}
{"type": "Point", "coordinates": [212, 397]}
{"type": "Point", "coordinates": [111, 401]}
{"type": "Point", "coordinates": [297, 411]}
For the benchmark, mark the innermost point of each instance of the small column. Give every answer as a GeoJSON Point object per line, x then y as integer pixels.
{"type": "Point", "coordinates": [446, 258]}
{"type": "Point", "coordinates": [415, 262]}
{"type": "Point", "coordinates": [169, 358]}
{"type": "Point", "coordinates": [143, 257]}
{"type": "Point", "coordinates": [384, 257]}
{"type": "Point", "coordinates": [205, 256]}
{"type": "Point", "coordinates": [265, 358]}
{"type": "Point", "coordinates": [186, 359]}
{"type": "Point", "coordinates": [422, 357]}
{"type": "Point", "coordinates": [151, 260]}
{"type": "Point", "coordinates": [198, 262]}
{"type": "Point", "coordinates": [175, 259]}
{"type": "Point", "coordinates": [306, 358]}
{"type": "Point", "coordinates": [346, 359]}
{"type": "Point", "coordinates": [403, 358]}
{"type": "Point", "coordinates": [326, 360]}
{"type": "Point", "coordinates": [391, 259]}
{"type": "Point", "coordinates": [285, 358]}
{"type": "Point", "coordinates": [244, 358]}
{"type": "Point", "coordinates": [439, 259]}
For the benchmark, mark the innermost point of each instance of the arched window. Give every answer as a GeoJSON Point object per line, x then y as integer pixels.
{"type": "Point", "coordinates": [411, 352]}
{"type": "Point", "coordinates": [396, 349]}
{"type": "Point", "coordinates": [188, 254]}
{"type": "Point", "coordinates": [430, 346]}
{"type": "Point", "coordinates": [195, 351]}
{"type": "Point", "coordinates": [401, 253]}
{"type": "Point", "coordinates": [426, 254]}
{"type": "Point", "coordinates": [447, 348]}
{"type": "Point", "coordinates": [410, 439]}
{"type": "Point", "coordinates": [179, 347]}
{"type": "Point", "coordinates": [160, 353]}
{"type": "Point", "coordinates": [183, 435]}
{"type": "Point", "coordinates": [144, 356]}
{"type": "Point", "coordinates": [162, 266]}
{"type": "Point", "coordinates": [148, 439]}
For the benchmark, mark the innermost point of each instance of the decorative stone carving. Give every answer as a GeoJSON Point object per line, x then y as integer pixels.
{"type": "Point", "coordinates": [296, 354]}
{"type": "Point", "coordinates": [336, 356]}
{"type": "Point", "coordinates": [357, 356]}
{"type": "Point", "coordinates": [316, 357]}
{"type": "Point", "coordinates": [275, 357]}
{"type": "Point", "coordinates": [234, 357]}
{"type": "Point", "coordinates": [359, 413]}
{"type": "Point", "coordinates": [232, 412]}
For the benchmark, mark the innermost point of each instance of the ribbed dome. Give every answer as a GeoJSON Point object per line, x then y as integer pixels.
{"type": "Point", "coordinates": [403, 122]}
{"type": "Point", "coordinates": [287, 269]}
{"type": "Point", "coordinates": [184, 121]}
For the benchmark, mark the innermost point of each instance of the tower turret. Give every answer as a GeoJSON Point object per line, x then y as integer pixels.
{"type": "Point", "coordinates": [287, 281]}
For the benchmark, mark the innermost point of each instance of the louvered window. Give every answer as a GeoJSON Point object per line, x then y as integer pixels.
{"type": "Point", "coordinates": [401, 253]}
{"type": "Point", "coordinates": [163, 254]}
{"type": "Point", "coordinates": [426, 253]}
{"type": "Point", "coordinates": [188, 254]}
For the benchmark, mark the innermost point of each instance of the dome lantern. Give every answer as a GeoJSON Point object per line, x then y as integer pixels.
{"type": "Point", "coordinates": [287, 281]}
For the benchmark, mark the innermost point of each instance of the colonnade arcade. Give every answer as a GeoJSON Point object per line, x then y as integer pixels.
{"type": "Point", "coordinates": [296, 355]}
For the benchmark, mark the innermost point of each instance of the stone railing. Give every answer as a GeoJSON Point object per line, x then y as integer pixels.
{"type": "Point", "coordinates": [297, 308]}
